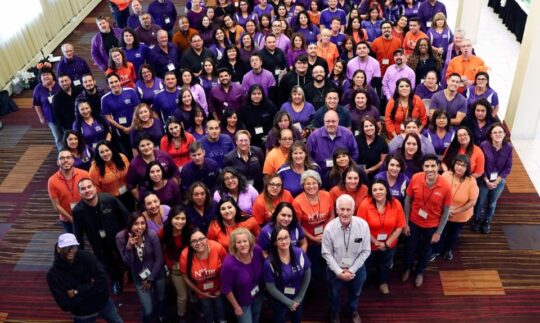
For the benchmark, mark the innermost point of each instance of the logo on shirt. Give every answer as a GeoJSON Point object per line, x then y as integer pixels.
{"type": "Point", "coordinates": [127, 101]}
{"type": "Point", "coordinates": [316, 218]}
{"type": "Point", "coordinates": [204, 273]}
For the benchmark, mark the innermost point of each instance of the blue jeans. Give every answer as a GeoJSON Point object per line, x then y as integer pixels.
{"type": "Point", "coordinates": [108, 313]}
{"type": "Point", "coordinates": [382, 260]}
{"type": "Point", "coordinates": [418, 247]}
{"type": "Point", "coordinates": [213, 309]}
{"type": "Point", "coordinates": [449, 237]}
{"type": "Point", "coordinates": [354, 288]}
{"type": "Point", "coordinates": [252, 312]}
{"type": "Point", "coordinates": [281, 310]}
{"type": "Point", "coordinates": [488, 197]}
{"type": "Point", "coordinates": [57, 133]}
{"type": "Point", "coordinates": [145, 297]}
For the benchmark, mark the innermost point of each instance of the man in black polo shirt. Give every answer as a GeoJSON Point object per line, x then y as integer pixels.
{"type": "Point", "coordinates": [90, 93]}
{"type": "Point", "coordinates": [63, 103]}
{"type": "Point", "coordinates": [273, 57]}
{"type": "Point", "coordinates": [194, 56]}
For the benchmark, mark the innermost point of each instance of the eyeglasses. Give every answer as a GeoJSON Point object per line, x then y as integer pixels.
{"type": "Point", "coordinates": [275, 184]}
{"type": "Point", "coordinates": [197, 241]}
{"type": "Point", "coordinates": [463, 135]}
{"type": "Point", "coordinates": [230, 178]}
{"type": "Point", "coordinates": [283, 239]}
{"type": "Point", "coordinates": [481, 79]}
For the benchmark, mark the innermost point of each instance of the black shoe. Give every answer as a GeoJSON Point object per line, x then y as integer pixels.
{"type": "Point", "coordinates": [448, 255]}
{"type": "Point", "coordinates": [433, 256]}
{"type": "Point", "coordinates": [486, 227]}
{"type": "Point", "coordinates": [118, 289]}
{"type": "Point", "coordinates": [475, 225]}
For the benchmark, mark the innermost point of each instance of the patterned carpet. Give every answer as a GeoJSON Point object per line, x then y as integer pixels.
{"type": "Point", "coordinates": [28, 231]}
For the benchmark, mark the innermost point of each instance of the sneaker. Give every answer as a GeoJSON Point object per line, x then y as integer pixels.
{"type": "Point", "coordinates": [118, 289]}
{"type": "Point", "coordinates": [405, 275]}
{"type": "Point", "coordinates": [419, 280]}
{"type": "Point", "coordinates": [355, 318]}
{"type": "Point", "coordinates": [383, 288]}
{"type": "Point", "coordinates": [486, 227]}
{"type": "Point", "coordinates": [475, 225]}
{"type": "Point", "coordinates": [448, 255]}
{"type": "Point", "coordinates": [433, 256]}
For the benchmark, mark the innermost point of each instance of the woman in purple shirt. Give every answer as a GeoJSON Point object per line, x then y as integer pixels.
{"type": "Point", "coordinates": [154, 212]}
{"type": "Point", "coordinates": [94, 128]}
{"type": "Point", "coordinates": [300, 111]}
{"type": "Point", "coordinates": [394, 174]}
{"type": "Point", "coordinates": [244, 13]}
{"type": "Point", "coordinates": [411, 150]}
{"type": "Point", "coordinates": [158, 183]}
{"type": "Point", "coordinates": [439, 131]}
{"type": "Point", "coordinates": [430, 86]}
{"type": "Point", "coordinates": [145, 121]}
{"type": "Point", "coordinates": [282, 120]}
{"type": "Point", "coordinates": [136, 52]}
{"type": "Point", "coordinates": [287, 274]}
{"type": "Point", "coordinates": [148, 84]}
{"type": "Point", "coordinates": [142, 254]}
{"type": "Point", "coordinates": [440, 34]}
{"type": "Point", "coordinates": [498, 164]}
{"type": "Point", "coordinates": [410, 8]}
{"type": "Point", "coordinates": [74, 141]}
{"type": "Point", "coordinates": [305, 27]}
{"type": "Point", "coordinates": [241, 276]}
{"type": "Point", "coordinates": [297, 163]}
{"type": "Point", "coordinates": [479, 119]}
{"type": "Point", "coordinates": [208, 77]}
{"type": "Point", "coordinates": [481, 90]}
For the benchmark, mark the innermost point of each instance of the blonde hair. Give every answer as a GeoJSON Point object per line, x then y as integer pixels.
{"type": "Point", "coordinates": [232, 240]}
{"type": "Point", "coordinates": [439, 16]}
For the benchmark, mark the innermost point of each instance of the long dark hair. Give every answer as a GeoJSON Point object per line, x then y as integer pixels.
{"type": "Point", "coordinates": [276, 131]}
{"type": "Point", "coordinates": [149, 182]}
{"type": "Point", "coordinates": [242, 181]}
{"type": "Point", "coordinates": [348, 170]}
{"type": "Point", "coordinates": [274, 254]}
{"type": "Point", "coordinates": [278, 209]}
{"type": "Point", "coordinates": [96, 116]}
{"type": "Point", "coordinates": [173, 119]}
{"type": "Point", "coordinates": [81, 142]}
{"type": "Point", "coordinates": [237, 218]}
{"type": "Point", "coordinates": [418, 155]}
{"type": "Point", "coordinates": [454, 146]}
{"type": "Point", "coordinates": [464, 159]}
{"type": "Point", "coordinates": [169, 242]}
{"type": "Point", "coordinates": [115, 158]}
{"type": "Point", "coordinates": [192, 187]}
{"type": "Point", "coordinates": [132, 217]}
{"type": "Point", "coordinates": [433, 121]}
{"type": "Point", "coordinates": [136, 41]}
{"type": "Point", "coordinates": [396, 99]}
{"type": "Point", "coordinates": [389, 196]}
{"type": "Point", "coordinates": [335, 174]}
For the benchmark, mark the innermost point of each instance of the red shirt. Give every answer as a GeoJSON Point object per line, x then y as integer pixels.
{"type": "Point", "coordinates": [313, 218]}
{"type": "Point", "coordinates": [382, 225]}
{"type": "Point", "coordinates": [428, 203]}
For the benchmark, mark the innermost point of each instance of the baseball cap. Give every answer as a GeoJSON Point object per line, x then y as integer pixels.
{"type": "Point", "coordinates": [67, 240]}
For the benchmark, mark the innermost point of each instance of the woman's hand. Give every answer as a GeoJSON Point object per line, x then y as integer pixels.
{"type": "Point", "coordinates": [238, 311]}
{"type": "Point", "coordinates": [132, 240]}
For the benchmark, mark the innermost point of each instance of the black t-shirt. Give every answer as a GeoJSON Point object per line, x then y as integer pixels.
{"type": "Point", "coordinates": [109, 40]}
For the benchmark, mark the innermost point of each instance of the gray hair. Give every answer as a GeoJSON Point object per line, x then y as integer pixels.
{"type": "Point", "coordinates": [344, 198]}
{"type": "Point", "coordinates": [310, 173]}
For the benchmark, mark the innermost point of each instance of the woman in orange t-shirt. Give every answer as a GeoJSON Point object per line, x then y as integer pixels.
{"type": "Point", "coordinates": [326, 49]}
{"type": "Point", "coordinates": [176, 141]}
{"type": "Point", "coordinates": [119, 64]}
{"type": "Point", "coordinates": [229, 217]}
{"type": "Point", "coordinates": [404, 104]}
{"type": "Point", "coordinates": [200, 264]}
{"type": "Point", "coordinates": [351, 184]}
{"type": "Point", "coordinates": [463, 143]}
{"type": "Point", "coordinates": [386, 220]}
{"type": "Point", "coordinates": [273, 194]}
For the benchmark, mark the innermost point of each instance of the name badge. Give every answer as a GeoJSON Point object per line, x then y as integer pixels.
{"type": "Point", "coordinates": [298, 126]}
{"type": "Point", "coordinates": [258, 130]}
{"type": "Point", "coordinates": [122, 189]}
{"type": "Point", "coordinates": [49, 98]}
{"type": "Point", "coordinates": [94, 145]}
{"type": "Point", "coordinates": [422, 213]}
{"type": "Point", "coordinates": [225, 104]}
{"type": "Point", "coordinates": [145, 273]}
{"type": "Point", "coordinates": [254, 291]}
{"type": "Point", "coordinates": [318, 230]}
{"type": "Point", "coordinates": [277, 72]}
{"type": "Point", "coordinates": [167, 20]}
{"type": "Point", "coordinates": [289, 290]}
{"type": "Point", "coordinates": [493, 176]}
{"type": "Point", "coordinates": [428, 24]}
{"type": "Point", "coordinates": [385, 61]}
{"type": "Point", "coordinates": [171, 67]}
{"type": "Point", "coordinates": [102, 234]}
{"type": "Point", "coordinates": [122, 120]}
{"type": "Point", "coordinates": [346, 262]}
{"type": "Point", "coordinates": [250, 182]}
{"type": "Point", "coordinates": [76, 82]}
{"type": "Point", "coordinates": [72, 205]}
{"type": "Point", "coordinates": [356, 133]}
{"type": "Point", "coordinates": [207, 286]}
{"type": "Point", "coordinates": [329, 163]}
{"type": "Point", "coordinates": [382, 237]}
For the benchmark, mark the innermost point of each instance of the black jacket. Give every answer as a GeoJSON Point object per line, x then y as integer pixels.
{"type": "Point", "coordinates": [85, 275]}
{"type": "Point", "coordinates": [256, 117]}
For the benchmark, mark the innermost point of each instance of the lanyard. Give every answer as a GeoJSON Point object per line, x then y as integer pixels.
{"type": "Point", "coordinates": [347, 242]}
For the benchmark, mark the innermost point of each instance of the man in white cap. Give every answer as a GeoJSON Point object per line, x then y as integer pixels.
{"type": "Point", "coordinates": [78, 283]}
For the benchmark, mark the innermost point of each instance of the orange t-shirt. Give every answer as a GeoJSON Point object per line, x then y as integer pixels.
{"type": "Point", "coordinates": [274, 160]}
{"type": "Point", "coordinates": [314, 18]}
{"type": "Point", "coordinates": [466, 67]}
{"type": "Point", "coordinates": [382, 225]}
{"type": "Point", "coordinates": [313, 218]}
{"type": "Point", "coordinates": [127, 74]}
{"type": "Point", "coordinates": [477, 159]}
{"type": "Point", "coordinates": [330, 54]}
{"type": "Point", "coordinates": [205, 273]}
{"type": "Point", "coordinates": [384, 49]}
{"type": "Point", "coordinates": [180, 155]}
{"type": "Point", "coordinates": [114, 180]}
{"type": "Point", "coordinates": [66, 191]}
{"type": "Point", "coordinates": [462, 192]}
{"type": "Point", "coordinates": [215, 233]}
{"type": "Point", "coordinates": [409, 41]}
{"type": "Point", "coordinates": [358, 196]}
{"type": "Point", "coordinates": [260, 210]}
{"type": "Point", "coordinates": [428, 203]}
{"type": "Point", "coordinates": [418, 112]}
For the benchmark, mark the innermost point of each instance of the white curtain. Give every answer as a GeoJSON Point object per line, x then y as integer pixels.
{"type": "Point", "coordinates": [43, 20]}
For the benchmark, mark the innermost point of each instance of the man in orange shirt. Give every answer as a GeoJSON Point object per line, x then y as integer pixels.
{"type": "Point", "coordinates": [427, 207]}
{"type": "Point", "coordinates": [413, 35]}
{"type": "Point", "coordinates": [385, 45]}
{"type": "Point", "coordinates": [62, 188]}
{"type": "Point", "coordinates": [466, 65]}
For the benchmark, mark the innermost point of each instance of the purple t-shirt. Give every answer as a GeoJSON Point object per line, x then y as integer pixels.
{"type": "Point", "coordinates": [291, 276]}
{"type": "Point", "coordinates": [458, 103]}
{"type": "Point", "coordinates": [120, 106]}
{"type": "Point", "coordinates": [155, 131]}
{"type": "Point", "coordinates": [291, 179]}
{"type": "Point", "coordinates": [489, 95]}
{"type": "Point", "coordinates": [400, 186]}
{"type": "Point", "coordinates": [423, 92]}
{"type": "Point", "coordinates": [92, 133]}
{"type": "Point", "coordinates": [439, 144]}
{"type": "Point", "coordinates": [242, 279]}
{"type": "Point", "coordinates": [137, 169]}
{"type": "Point", "coordinates": [245, 199]}
{"type": "Point", "coordinates": [304, 117]}
{"type": "Point", "coordinates": [137, 56]}
{"type": "Point", "coordinates": [153, 226]}
{"type": "Point", "coordinates": [371, 66]}
{"type": "Point", "coordinates": [165, 103]}
{"type": "Point", "coordinates": [357, 115]}
{"type": "Point", "coordinates": [264, 79]}
{"type": "Point", "coordinates": [263, 239]}
{"type": "Point", "coordinates": [169, 195]}
{"type": "Point", "coordinates": [309, 34]}
{"type": "Point", "coordinates": [43, 97]}
{"type": "Point", "coordinates": [217, 150]}
{"type": "Point", "coordinates": [147, 94]}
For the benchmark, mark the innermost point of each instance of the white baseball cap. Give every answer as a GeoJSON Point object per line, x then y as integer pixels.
{"type": "Point", "coordinates": [67, 240]}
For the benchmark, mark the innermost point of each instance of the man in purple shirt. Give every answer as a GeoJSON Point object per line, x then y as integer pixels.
{"type": "Point", "coordinates": [332, 12]}
{"type": "Point", "coordinates": [199, 168]}
{"type": "Point", "coordinates": [103, 41]}
{"type": "Point", "coordinates": [164, 14]}
{"type": "Point", "coordinates": [133, 20]}
{"type": "Point", "coordinates": [427, 10]}
{"type": "Point", "coordinates": [450, 100]}
{"type": "Point", "coordinates": [227, 95]}
{"type": "Point", "coordinates": [165, 56]}
{"type": "Point", "coordinates": [258, 75]}
{"type": "Point", "coordinates": [364, 62]}
{"type": "Point", "coordinates": [42, 102]}
{"type": "Point", "coordinates": [71, 65]}
{"type": "Point", "coordinates": [395, 72]}
{"type": "Point", "coordinates": [117, 107]}
{"type": "Point", "coordinates": [337, 36]}
{"type": "Point", "coordinates": [147, 31]}
{"type": "Point", "coordinates": [166, 100]}
{"type": "Point", "coordinates": [322, 142]}
{"type": "Point", "coordinates": [215, 144]}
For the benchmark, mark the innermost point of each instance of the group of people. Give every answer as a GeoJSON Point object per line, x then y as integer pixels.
{"type": "Point", "coordinates": [265, 145]}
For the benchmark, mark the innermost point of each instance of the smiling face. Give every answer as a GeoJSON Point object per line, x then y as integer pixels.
{"type": "Point", "coordinates": [497, 134]}
{"type": "Point", "coordinates": [231, 181]}
{"type": "Point", "coordinates": [286, 138]}
{"type": "Point", "coordinates": [298, 156]}
{"type": "Point", "coordinates": [144, 113]}
{"type": "Point", "coordinates": [430, 168]}
{"type": "Point", "coordinates": [404, 89]}
{"type": "Point", "coordinates": [85, 110]}
{"type": "Point", "coordinates": [241, 242]}
{"type": "Point", "coordinates": [378, 191]}
{"type": "Point", "coordinates": [460, 168]}
{"type": "Point", "coordinates": [152, 205]}
{"type": "Point", "coordinates": [345, 211]}
{"type": "Point", "coordinates": [351, 180]}
{"type": "Point", "coordinates": [311, 186]}
{"type": "Point", "coordinates": [146, 148]}
{"type": "Point", "coordinates": [369, 128]}
{"type": "Point", "coordinates": [228, 212]}
{"type": "Point", "coordinates": [411, 147]}
{"type": "Point", "coordinates": [198, 242]}
{"type": "Point", "coordinates": [283, 240]}
{"type": "Point", "coordinates": [198, 196]}
{"type": "Point", "coordinates": [87, 190]}
{"type": "Point", "coordinates": [463, 137]}
{"type": "Point", "coordinates": [394, 168]}
{"type": "Point", "coordinates": [114, 84]}
{"type": "Point", "coordinates": [441, 121]}
{"type": "Point", "coordinates": [139, 226]}
{"type": "Point", "coordinates": [105, 153]}
{"type": "Point", "coordinates": [274, 186]}
{"type": "Point", "coordinates": [179, 221]}
{"type": "Point", "coordinates": [342, 161]}
{"type": "Point", "coordinates": [284, 217]}
{"type": "Point", "coordinates": [174, 129]}
{"type": "Point", "coordinates": [156, 175]}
